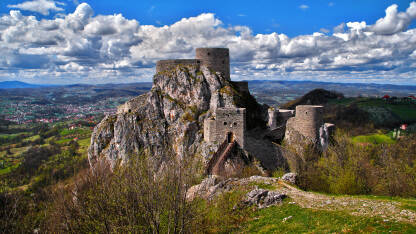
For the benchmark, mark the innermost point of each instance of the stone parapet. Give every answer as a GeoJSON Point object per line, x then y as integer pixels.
{"type": "Point", "coordinates": [167, 65]}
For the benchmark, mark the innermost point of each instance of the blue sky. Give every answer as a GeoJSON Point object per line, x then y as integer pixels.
{"type": "Point", "coordinates": [46, 41]}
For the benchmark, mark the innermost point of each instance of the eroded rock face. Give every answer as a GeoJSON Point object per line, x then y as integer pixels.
{"type": "Point", "coordinates": [213, 186]}
{"type": "Point", "coordinates": [168, 119]}
{"type": "Point", "coordinates": [290, 177]}
{"type": "Point", "coordinates": [263, 198]}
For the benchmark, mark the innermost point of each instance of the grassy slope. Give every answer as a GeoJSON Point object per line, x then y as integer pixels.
{"type": "Point", "coordinates": [303, 220]}
{"type": "Point", "coordinates": [406, 112]}
{"type": "Point", "coordinates": [65, 136]}
{"type": "Point", "coordinates": [374, 139]}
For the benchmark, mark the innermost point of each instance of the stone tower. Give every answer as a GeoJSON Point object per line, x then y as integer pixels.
{"type": "Point", "coordinates": [229, 124]}
{"type": "Point", "coordinates": [309, 119]}
{"type": "Point", "coordinates": [306, 124]}
{"type": "Point", "coordinates": [218, 59]}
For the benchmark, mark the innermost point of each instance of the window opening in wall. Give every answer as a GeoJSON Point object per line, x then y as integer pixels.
{"type": "Point", "coordinates": [235, 124]}
{"type": "Point", "coordinates": [225, 123]}
{"type": "Point", "coordinates": [223, 61]}
{"type": "Point", "coordinates": [209, 54]}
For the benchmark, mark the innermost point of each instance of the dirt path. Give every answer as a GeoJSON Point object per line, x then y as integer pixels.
{"type": "Point", "coordinates": [387, 210]}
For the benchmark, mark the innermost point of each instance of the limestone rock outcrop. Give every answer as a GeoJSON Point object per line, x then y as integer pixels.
{"type": "Point", "coordinates": [263, 198]}
{"type": "Point", "coordinates": [195, 110]}
{"type": "Point", "coordinates": [290, 177]}
{"type": "Point", "coordinates": [169, 119]}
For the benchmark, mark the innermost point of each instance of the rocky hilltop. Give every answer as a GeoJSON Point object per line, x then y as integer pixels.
{"type": "Point", "coordinates": [185, 96]}
{"type": "Point", "coordinates": [170, 117]}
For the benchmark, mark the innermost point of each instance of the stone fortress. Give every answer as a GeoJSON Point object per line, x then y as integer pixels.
{"type": "Point", "coordinates": [227, 126]}
{"type": "Point", "coordinates": [226, 123]}
{"type": "Point", "coordinates": [217, 59]}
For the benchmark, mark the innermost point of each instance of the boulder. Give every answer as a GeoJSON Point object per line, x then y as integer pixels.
{"type": "Point", "coordinates": [290, 177]}
{"type": "Point", "coordinates": [263, 198]}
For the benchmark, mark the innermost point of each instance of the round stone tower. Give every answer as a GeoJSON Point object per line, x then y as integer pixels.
{"type": "Point", "coordinates": [218, 59]}
{"type": "Point", "coordinates": [308, 120]}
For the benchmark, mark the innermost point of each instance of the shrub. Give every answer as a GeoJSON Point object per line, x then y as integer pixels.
{"type": "Point", "coordinates": [349, 168]}
{"type": "Point", "coordinates": [135, 198]}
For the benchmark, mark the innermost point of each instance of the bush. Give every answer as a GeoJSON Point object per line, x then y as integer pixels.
{"type": "Point", "coordinates": [135, 198]}
{"type": "Point", "coordinates": [349, 168]}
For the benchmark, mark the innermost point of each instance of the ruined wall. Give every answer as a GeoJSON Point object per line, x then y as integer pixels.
{"type": "Point", "coordinates": [218, 59]}
{"type": "Point", "coordinates": [167, 65]}
{"type": "Point", "coordinates": [308, 120]}
{"type": "Point", "coordinates": [228, 120]}
{"type": "Point", "coordinates": [284, 115]}
{"type": "Point", "coordinates": [273, 118]}
{"type": "Point", "coordinates": [231, 120]}
{"type": "Point", "coordinates": [305, 125]}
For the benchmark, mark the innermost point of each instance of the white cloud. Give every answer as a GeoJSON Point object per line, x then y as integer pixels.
{"type": "Point", "coordinates": [394, 21]}
{"type": "Point", "coordinates": [303, 7]}
{"type": "Point", "coordinates": [331, 4]}
{"type": "Point", "coordinates": [41, 6]}
{"type": "Point", "coordinates": [106, 47]}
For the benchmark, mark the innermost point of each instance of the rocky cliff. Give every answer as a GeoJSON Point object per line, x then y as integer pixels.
{"type": "Point", "coordinates": [170, 117]}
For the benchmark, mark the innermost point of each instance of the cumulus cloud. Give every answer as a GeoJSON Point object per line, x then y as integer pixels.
{"type": "Point", "coordinates": [303, 7]}
{"type": "Point", "coordinates": [394, 21]}
{"type": "Point", "coordinates": [103, 48]}
{"type": "Point", "coordinates": [41, 6]}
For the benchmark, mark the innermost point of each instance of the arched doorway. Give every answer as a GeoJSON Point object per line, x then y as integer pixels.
{"type": "Point", "coordinates": [230, 137]}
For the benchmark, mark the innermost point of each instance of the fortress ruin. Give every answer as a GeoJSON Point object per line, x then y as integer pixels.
{"type": "Point", "coordinates": [226, 126]}
{"type": "Point", "coordinates": [217, 59]}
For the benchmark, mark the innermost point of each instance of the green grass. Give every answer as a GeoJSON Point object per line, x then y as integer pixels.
{"type": "Point", "coordinates": [342, 101]}
{"type": "Point", "coordinates": [373, 139]}
{"type": "Point", "coordinates": [84, 142]}
{"type": "Point", "coordinates": [8, 169]}
{"type": "Point", "coordinates": [32, 138]}
{"type": "Point", "coordinates": [83, 145]}
{"type": "Point", "coordinates": [66, 132]}
{"type": "Point", "coordinates": [405, 111]}
{"type": "Point", "coordinates": [263, 185]}
{"type": "Point", "coordinates": [62, 141]}
{"type": "Point", "coordinates": [270, 220]}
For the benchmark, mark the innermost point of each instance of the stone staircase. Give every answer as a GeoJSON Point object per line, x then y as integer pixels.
{"type": "Point", "coordinates": [216, 164]}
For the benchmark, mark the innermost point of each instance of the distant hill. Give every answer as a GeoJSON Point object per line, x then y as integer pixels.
{"type": "Point", "coordinates": [314, 97]}
{"type": "Point", "coordinates": [18, 85]}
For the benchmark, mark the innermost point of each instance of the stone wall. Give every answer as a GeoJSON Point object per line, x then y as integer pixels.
{"type": "Point", "coordinates": [273, 118]}
{"type": "Point", "coordinates": [228, 123]}
{"type": "Point", "coordinates": [218, 59]}
{"type": "Point", "coordinates": [167, 65]}
{"type": "Point", "coordinates": [305, 126]}
{"type": "Point", "coordinates": [308, 121]}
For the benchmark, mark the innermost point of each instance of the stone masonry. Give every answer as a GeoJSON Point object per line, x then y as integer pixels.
{"type": "Point", "coordinates": [308, 125]}
{"type": "Point", "coordinates": [228, 124]}
{"type": "Point", "coordinates": [217, 59]}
